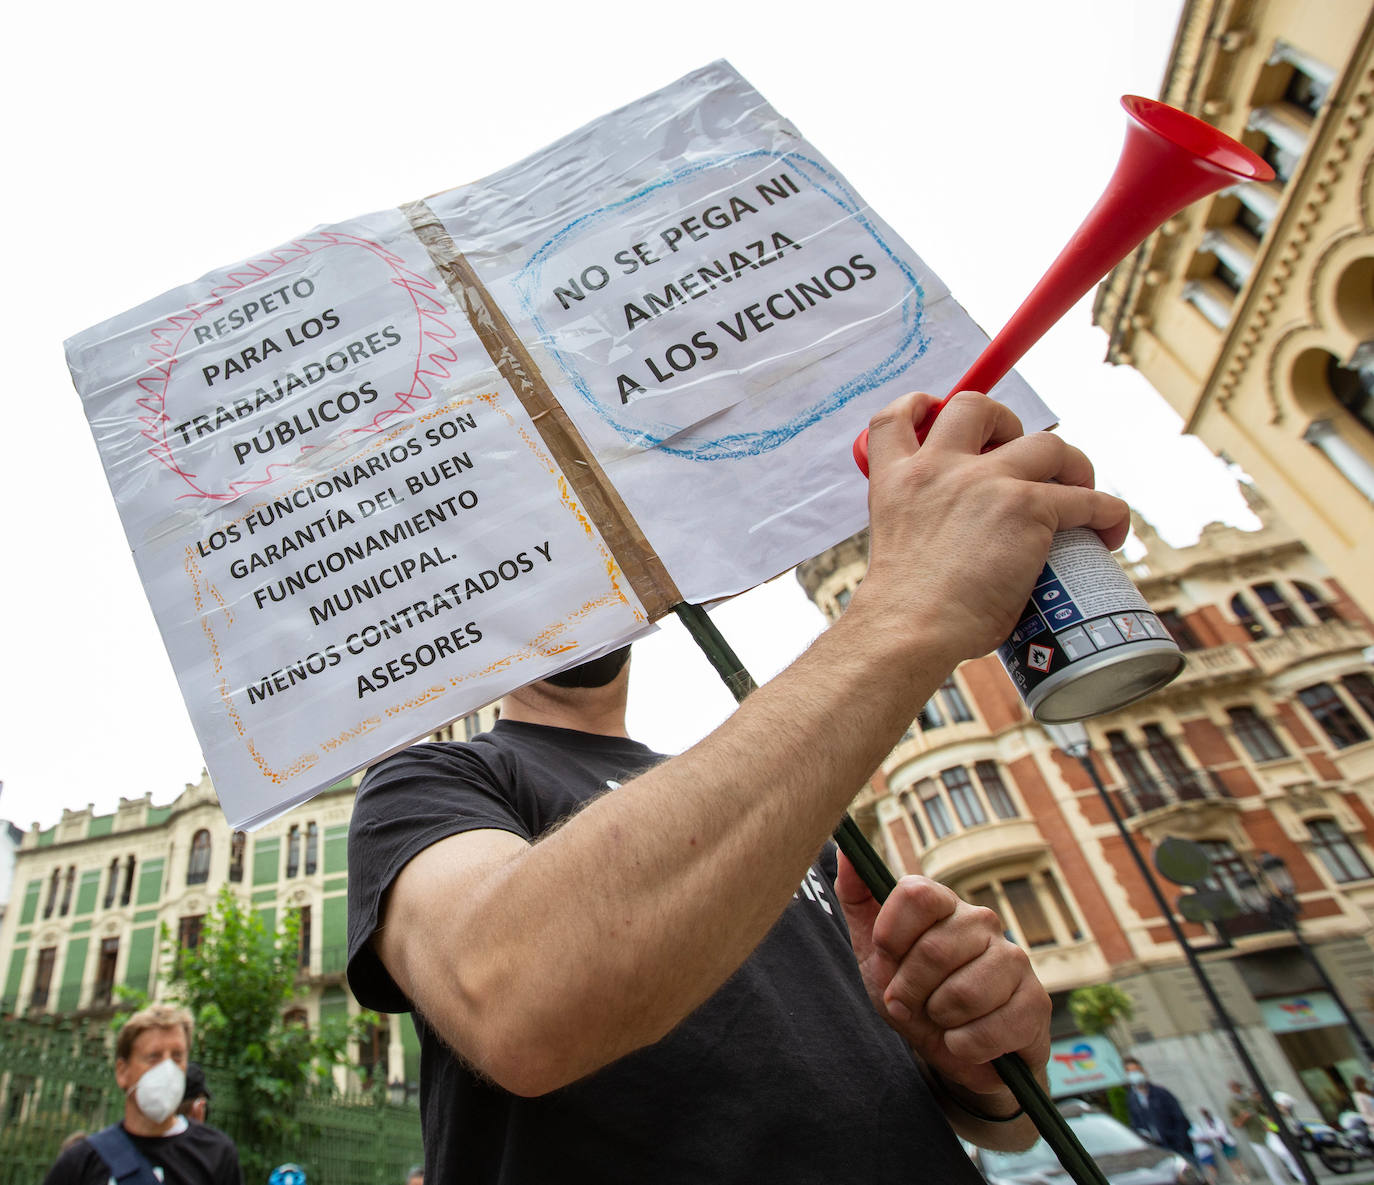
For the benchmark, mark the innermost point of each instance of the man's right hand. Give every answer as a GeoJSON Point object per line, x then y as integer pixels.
{"type": "Point", "coordinates": [961, 525]}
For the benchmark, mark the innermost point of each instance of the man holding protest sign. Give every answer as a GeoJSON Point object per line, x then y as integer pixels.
{"type": "Point", "coordinates": [631, 983]}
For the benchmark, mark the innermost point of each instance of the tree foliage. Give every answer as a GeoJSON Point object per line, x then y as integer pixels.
{"type": "Point", "coordinates": [1105, 1009]}
{"type": "Point", "coordinates": [239, 982]}
{"type": "Point", "coordinates": [1102, 1008]}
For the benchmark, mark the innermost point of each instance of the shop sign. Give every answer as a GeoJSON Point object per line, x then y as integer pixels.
{"type": "Point", "coordinates": [1082, 1064]}
{"type": "Point", "coordinates": [1296, 1014]}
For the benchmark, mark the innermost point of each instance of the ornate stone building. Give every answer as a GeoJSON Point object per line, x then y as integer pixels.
{"type": "Point", "coordinates": [92, 896]}
{"type": "Point", "coordinates": [1264, 745]}
{"type": "Point", "coordinates": [1252, 312]}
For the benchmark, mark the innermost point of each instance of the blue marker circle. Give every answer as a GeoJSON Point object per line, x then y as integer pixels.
{"type": "Point", "coordinates": [667, 437]}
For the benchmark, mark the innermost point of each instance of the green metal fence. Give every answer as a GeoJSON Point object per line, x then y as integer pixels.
{"type": "Point", "coordinates": [57, 1078]}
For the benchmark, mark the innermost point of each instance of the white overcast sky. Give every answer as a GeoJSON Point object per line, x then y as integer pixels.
{"type": "Point", "coordinates": [148, 143]}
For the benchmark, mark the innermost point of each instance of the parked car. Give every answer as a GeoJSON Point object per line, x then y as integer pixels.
{"type": "Point", "coordinates": [1124, 1157]}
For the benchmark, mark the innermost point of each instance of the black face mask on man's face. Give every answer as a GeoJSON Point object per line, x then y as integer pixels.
{"type": "Point", "coordinates": [596, 673]}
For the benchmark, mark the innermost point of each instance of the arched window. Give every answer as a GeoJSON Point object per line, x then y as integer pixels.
{"type": "Point", "coordinates": [1134, 772]}
{"type": "Point", "coordinates": [1342, 859]}
{"type": "Point", "coordinates": [303, 950]}
{"type": "Point", "coordinates": [1245, 615]}
{"type": "Point", "coordinates": [67, 885]}
{"type": "Point", "coordinates": [1182, 632]}
{"type": "Point", "coordinates": [53, 885]}
{"type": "Point", "coordinates": [126, 894]}
{"type": "Point", "coordinates": [1166, 756]}
{"type": "Point", "coordinates": [1026, 902]}
{"type": "Point", "coordinates": [963, 796]}
{"type": "Point", "coordinates": [930, 716]}
{"type": "Point", "coordinates": [373, 1046]}
{"type": "Point", "coordinates": [293, 851]}
{"type": "Point", "coordinates": [1354, 391]}
{"type": "Point", "coordinates": [112, 887]}
{"type": "Point", "coordinates": [998, 797]}
{"type": "Point", "coordinates": [1277, 606]}
{"type": "Point", "coordinates": [1331, 712]}
{"type": "Point", "coordinates": [956, 707]}
{"type": "Point", "coordinates": [198, 866]}
{"type": "Point", "coordinates": [1360, 688]}
{"type": "Point", "coordinates": [1255, 733]}
{"type": "Point", "coordinates": [937, 813]}
{"type": "Point", "coordinates": [1322, 610]}
{"type": "Point", "coordinates": [1229, 870]}
{"type": "Point", "coordinates": [913, 811]}
{"type": "Point", "coordinates": [236, 846]}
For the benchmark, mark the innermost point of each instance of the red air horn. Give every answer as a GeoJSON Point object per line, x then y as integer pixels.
{"type": "Point", "coordinates": [1169, 160]}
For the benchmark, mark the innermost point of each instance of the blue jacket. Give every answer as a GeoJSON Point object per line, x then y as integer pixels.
{"type": "Point", "coordinates": [1160, 1118]}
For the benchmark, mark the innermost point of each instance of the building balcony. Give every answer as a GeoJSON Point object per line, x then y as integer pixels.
{"type": "Point", "coordinates": [1309, 641]}
{"type": "Point", "coordinates": [918, 742]}
{"type": "Point", "coordinates": [1246, 923]}
{"type": "Point", "coordinates": [332, 966]}
{"type": "Point", "coordinates": [982, 846]}
{"type": "Point", "coordinates": [1141, 797]}
{"type": "Point", "coordinates": [1062, 968]}
{"type": "Point", "coordinates": [1184, 805]}
{"type": "Point", "coordinates": [1213, 666]}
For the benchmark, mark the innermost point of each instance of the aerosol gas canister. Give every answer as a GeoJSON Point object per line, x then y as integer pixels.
{"type": "Point", "coordinates": [1087, 642]}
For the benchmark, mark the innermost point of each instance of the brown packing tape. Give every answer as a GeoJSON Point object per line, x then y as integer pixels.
{"type": "Point", "coordinates": [593, 489]}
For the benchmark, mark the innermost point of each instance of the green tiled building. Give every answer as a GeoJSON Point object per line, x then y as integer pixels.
{"type": "Point", "coordinates": [93, 895]}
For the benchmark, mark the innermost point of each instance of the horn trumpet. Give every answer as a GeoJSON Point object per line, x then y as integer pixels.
{"type": "Point", "coordinates": [1170, 159]}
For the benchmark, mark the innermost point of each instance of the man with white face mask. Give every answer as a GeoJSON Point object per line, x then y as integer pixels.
{"type": "Point", "coordinates": [1156, 1112]}
{"type": "Point", "coordinates": [152, 1145]}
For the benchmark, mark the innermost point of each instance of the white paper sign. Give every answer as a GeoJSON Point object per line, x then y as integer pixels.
{"type": "Point", "coordinates": [348, 527]}
{"type": "Point", "coordinates": [394, 468]}
{"type": "Point", "coordinates": [721, 314]}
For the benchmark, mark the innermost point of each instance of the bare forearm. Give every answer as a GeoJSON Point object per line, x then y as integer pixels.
{"type": "Point", "coordinates": [602, 936]}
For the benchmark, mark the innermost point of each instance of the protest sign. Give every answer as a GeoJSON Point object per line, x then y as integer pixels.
{"type": "Point", "coordinates": [382, 474]}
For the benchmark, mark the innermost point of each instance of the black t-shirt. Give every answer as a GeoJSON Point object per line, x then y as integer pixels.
{"type": "Point", "coordinates": [786, 1074]}
{"type": "Point", "coordinates": [199, 1155]}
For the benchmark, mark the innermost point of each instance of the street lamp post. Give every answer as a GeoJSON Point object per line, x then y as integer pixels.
{"type": "Point", "coordinates": [1072, 739]}
{"type": "Point", "coordinates": [1276, 892]}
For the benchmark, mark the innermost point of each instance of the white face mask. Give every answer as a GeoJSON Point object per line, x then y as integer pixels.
{"type": "Point", "coordinates": [159, 1092]}
{"type": "Point", "coordinates": [1135, 1077]}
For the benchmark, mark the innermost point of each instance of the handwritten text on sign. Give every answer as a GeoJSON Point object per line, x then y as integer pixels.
{"type": "Point", "coordinates": [384, 473]}
{"type": "Point", "coordinates": [345, 521]}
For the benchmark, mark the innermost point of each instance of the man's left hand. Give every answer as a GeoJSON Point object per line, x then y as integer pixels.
{"type": "Point", "coordinates": [944, 975]}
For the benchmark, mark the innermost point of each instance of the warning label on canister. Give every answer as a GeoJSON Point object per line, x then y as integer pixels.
{"type": "Point", "coordinates": [1083, 611]}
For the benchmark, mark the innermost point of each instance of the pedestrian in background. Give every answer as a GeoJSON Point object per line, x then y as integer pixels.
{"type": "Point", "coordinates": [195, 1103]}
{"type": "Point", "coordinates": [1363, 1100]}
{"type": "Point", "coordinates": [1212, 1143]}
{"type": "Point", "coordinates": [1286, 1105]}
{"type": "Point", "coordinates": [1155, 1112]}
{"type": "Point", "coordinates": [151, 1054]}
{"type": "Point", "coordinates": [1247, 1114]}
